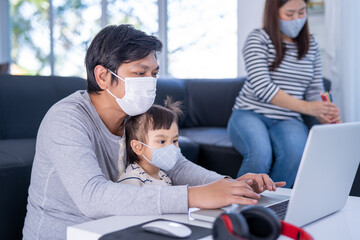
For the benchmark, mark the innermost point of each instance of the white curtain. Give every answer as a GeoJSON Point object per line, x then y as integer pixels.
{"type": "Point", "coordinates": [4, 32]}
{"type": "Point", "coordinates": [342, 55]}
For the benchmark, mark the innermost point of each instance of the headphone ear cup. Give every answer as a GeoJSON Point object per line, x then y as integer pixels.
{"type": "Point", "coordinates": [263, 223]}
{"type": "Point", "coordinates": [240, 226]}
{"type": "Point", "coordinates": [230, 226]}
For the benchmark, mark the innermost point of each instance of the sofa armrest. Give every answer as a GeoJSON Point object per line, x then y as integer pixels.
{"type": "Point", "coordinates": [16, 157]}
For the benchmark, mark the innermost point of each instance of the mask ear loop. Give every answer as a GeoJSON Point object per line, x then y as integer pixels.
{"type": "Point", "coordinates": [143, 154]}
{"type": "Point", "coordinates": [144, 144]}
{"type": "Point", "coordinates": [115, 75]}
{"type": "Point", "coordinates": [112, 94]}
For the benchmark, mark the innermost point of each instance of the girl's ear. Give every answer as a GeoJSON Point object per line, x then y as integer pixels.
{"type": "Point", "coordinates": [137, 147]}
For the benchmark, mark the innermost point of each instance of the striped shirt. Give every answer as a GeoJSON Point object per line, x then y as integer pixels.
{"type": "Point", "coordinates": [135, 175]}
{"type": "Point", "coordinates": [301, 79]}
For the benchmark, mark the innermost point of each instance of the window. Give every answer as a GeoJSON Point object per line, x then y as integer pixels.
{"type": "Point", "coordinates": [75, 25]}
{"type": "Point", "coordinates": [30, 37]}
{"type": "Point", "coordinates": [143, 15]}
{"type": "Point", "coordinates": [202, 39]}
{"type": "Point", "coordinates": [51, 36]}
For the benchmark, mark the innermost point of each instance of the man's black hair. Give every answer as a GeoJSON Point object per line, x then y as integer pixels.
{"type": "Point", "coordinates": [114, 45]}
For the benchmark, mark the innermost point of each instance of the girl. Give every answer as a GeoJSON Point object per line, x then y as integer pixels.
{"type": "Point", "coordinates": [152, 145]}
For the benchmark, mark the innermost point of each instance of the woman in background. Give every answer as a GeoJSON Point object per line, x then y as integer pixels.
{"type": "Point", "coordinates": [283, 64]}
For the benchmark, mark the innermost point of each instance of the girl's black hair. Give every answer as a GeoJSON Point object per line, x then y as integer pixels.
{"type": "Point", "coordinates": [157, 117]}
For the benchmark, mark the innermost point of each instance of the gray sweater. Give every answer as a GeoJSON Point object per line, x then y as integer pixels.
{"type": "Point", "coordinates": [76, 163]}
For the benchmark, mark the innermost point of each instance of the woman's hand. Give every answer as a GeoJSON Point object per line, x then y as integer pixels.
{"type": "Point", "coordinates": [222, 193]}
{"type": "Point", "coordinates": [325, 112]}
{"type": "Point", "coordinates": [260, 182]}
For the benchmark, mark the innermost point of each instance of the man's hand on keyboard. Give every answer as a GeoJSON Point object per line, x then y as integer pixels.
{"type": "Point", "coordinates": [260, 182]}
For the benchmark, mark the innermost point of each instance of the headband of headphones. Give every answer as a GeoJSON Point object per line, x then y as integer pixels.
{"type": "Point", "coordinates": [255, 223]}
{"type": "Point", "coordinates": [294, 232]}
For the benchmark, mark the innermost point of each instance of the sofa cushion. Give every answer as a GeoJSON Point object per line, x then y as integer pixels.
{"type": "Point", "coordinates": [211, 136]}
{"type": "Point", "coordinates": [174, 88]}
{"type": "Point", "coordinates": [210, 101]}
{"type": "Point", "coordinates": [216, 151]}
{"type": "Point", "coordinates": [20, 152]}
{"type": "Point", "coordinates": [24, 100]}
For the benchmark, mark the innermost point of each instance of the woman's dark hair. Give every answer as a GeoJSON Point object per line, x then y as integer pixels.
{"type": "Point", "coordinates": [115, 45]}
{"type": "Point", "coordinates": [271, 24]}
{"type": "Point", "coordinates": [157, 117]}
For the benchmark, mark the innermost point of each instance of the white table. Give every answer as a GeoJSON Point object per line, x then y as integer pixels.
{"type": "Point", "coordinates": [344, 224]}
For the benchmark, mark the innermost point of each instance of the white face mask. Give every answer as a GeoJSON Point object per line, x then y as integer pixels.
{"type": "Point", "coordinates": [139, 96]}
{"type": "Point", "coordinates": [164, 158]}
{"type": "Point", "coordinates": [292, 28]}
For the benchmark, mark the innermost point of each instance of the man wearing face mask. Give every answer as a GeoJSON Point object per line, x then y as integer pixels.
{"type": "Point", "coordinates": [80, 148]}
{"type": "Point", "coordinates": [283, 65]}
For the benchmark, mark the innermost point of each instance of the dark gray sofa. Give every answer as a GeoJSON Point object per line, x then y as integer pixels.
{"type": "Point", "coordinates": [24, 101]}
{"type": "Point", "coordinates": [207, 108]}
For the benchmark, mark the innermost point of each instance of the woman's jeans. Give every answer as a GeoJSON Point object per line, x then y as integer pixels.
{"type": "Point", "coordinates": [259, 138]}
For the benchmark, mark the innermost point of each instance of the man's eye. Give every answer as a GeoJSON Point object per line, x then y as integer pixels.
{"type": "Point", "coordinates": [161, 141]}
{"type": "Point", "coordinates": [140, 73]}
{"type": "Point", "coordinates": [175, 141]}
{"type": "Point", "coordinates": [156, 74]}
{"type": "Point", "coordinates": [289, 15]}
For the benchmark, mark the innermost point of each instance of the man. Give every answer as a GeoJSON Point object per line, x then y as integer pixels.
{"type": "Point", "coordinates": [80, 148]}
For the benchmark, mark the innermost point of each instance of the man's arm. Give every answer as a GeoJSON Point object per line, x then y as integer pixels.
{"type": "Point", "coordinates": [64, 142]}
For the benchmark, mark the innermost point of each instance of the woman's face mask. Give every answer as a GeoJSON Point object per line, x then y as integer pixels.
{"type": "Point", "coordinates": [292, 28]}
{"type": "Point", "coordinates": [293, 16]}
{"type": "Point", "coordinates": [164, 158]}
{"type": "Point", "coordinates": [139, 96]}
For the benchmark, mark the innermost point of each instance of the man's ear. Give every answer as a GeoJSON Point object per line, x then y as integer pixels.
{"type": "Point", "coordinates": [137, 147]}
{"type": "Point", "coordinates": [102, 76]}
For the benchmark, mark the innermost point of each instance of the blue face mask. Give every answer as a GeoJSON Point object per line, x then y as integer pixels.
{"type": "Point", "coordinates": [292, 28]}
{"type": "Point", "coordinates": [164, 158]}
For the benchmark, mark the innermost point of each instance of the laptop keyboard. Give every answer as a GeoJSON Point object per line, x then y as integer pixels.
{"type": "Point", "coordinates": [280, 209]}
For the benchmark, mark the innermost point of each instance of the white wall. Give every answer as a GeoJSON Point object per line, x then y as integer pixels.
{"type": "Point", "coordinates": [342, 55]}
{"type": "Point", "coordinates": [249, 17]}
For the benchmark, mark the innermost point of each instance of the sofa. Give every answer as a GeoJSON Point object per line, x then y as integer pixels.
{"type": "Point", "coordinates": [24, 100]}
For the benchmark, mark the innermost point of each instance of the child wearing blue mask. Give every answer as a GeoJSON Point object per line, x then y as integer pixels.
{"type": "Point", "coordinates": [152, 145]}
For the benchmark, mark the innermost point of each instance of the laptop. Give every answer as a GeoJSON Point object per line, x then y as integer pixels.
{"type": "Point", "coordinates": [327, 170]}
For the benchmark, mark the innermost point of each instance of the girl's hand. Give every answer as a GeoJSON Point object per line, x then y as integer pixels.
{"type": "Point", "coordinates": [260, 182]}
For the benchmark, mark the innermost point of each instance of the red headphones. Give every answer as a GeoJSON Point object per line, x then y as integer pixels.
{"type": "Point", "coordinates": [255, 223]}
